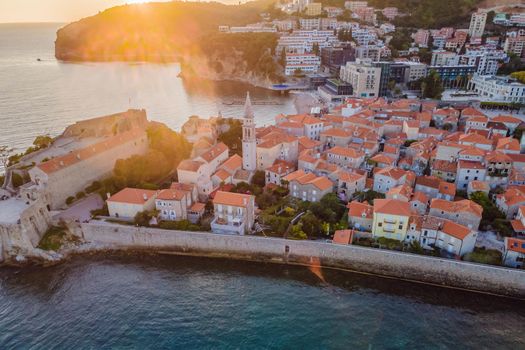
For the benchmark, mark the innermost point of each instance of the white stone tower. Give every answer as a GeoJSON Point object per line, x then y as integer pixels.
{"type": "Point", "coordinates": [249, 142]}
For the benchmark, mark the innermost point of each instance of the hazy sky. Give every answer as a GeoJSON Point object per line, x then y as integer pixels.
{"type": "Point", "coordinates": [54, 10]}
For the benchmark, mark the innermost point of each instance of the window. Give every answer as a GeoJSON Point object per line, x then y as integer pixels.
{"type": "Point", "coordinates": [400, 227]}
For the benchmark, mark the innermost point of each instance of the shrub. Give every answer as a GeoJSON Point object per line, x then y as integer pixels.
{"type": "Point", "coordinates": [80, 195]}
{"type": "Point", "coordinates": [17, 180]}
{"type": "Point", "coordinates": [52, 239]}
{"type": "Point", "coordinates": [391, 244]}
{"type": "Point", "coordinates": [95, 186]}
{"type": "Point", "coordinates": [70, 200]}
{"type": "Point", "coordinates": [484, 256]}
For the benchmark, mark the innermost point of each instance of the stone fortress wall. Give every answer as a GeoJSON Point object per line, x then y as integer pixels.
{"type": "Point", "coordinates": [27, 214]}
{"type": "Point", "coordinates": [458, 274]}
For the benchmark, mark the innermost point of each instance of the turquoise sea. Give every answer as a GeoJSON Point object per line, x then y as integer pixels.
{"type": "Point", "coordinates": [168, 302]}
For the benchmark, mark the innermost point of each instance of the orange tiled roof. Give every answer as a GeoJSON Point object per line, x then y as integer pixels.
{"type": "Point", "coordinates": [392, 207]}
{"type": "Point", "coordinates": [132, 196]}
{"type": "Point", "coordinates": [455, 230]}
{"type": "Point", "coordinates": [357, 209]}
{"type": "Point", "coordinates": [233, 199]}
{"type": "Point", "coordinates": [447, 188]}
{"type": "Point", "coordinates": [342, 237]}
{"type": "Point", "coordinates": [214, 152]}
{"type": "Point", "coordinates": [516, 244]}
{"type": "Point", "coordinates": [345, 152]}
{"type": "Point", "coordinates": [506, 119]}
{"type": "Point", "coordinates": [170, 194]}
{"type": "Point", "coordinates": [80, 155]}
{"type": "Point", "coordinates": [464, 205]}
{"type": "Point", "coordinates": [190, 165]}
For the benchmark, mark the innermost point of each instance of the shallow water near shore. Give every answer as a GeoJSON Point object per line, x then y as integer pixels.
{"type": "Point", "coordinates": [149, 301]}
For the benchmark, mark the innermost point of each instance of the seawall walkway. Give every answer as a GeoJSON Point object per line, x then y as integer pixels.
{"type": "Point", "coordinates": [418, 268]}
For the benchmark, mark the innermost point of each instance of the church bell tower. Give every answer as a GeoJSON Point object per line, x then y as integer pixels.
{"type": "Point", "coordinates": [249, 142]}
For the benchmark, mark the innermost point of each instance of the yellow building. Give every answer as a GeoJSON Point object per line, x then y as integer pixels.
{"type": "Point", "coordinates": [391, 218]}
{"type": "Point", "coordinates": [314, 9]}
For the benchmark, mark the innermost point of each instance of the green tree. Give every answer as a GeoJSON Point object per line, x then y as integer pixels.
{"type": "Point", "coordinates": [432, 86]}
{"type": "Point", "coordinates": [297, 233]}
{"type": "Point", "coordinates": [259, 178]}
{"type": "Point", "coordinates": [310, 224]}
{"type": "Point", "coordinates": [143, 218]}
{"type": "Point", "coordinates": [43, 141]}
{"type": "Point", "coordinates": [233, 137]}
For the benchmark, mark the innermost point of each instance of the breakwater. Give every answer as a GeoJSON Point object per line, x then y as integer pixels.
{"type": "Point", "coordinates": [444, 272]}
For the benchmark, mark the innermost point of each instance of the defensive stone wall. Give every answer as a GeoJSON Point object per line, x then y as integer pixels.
{"type": "Point", "coordinates": [452, 273]}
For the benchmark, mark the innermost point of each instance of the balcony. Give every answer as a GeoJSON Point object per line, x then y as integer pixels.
{"type": "Point", "coordinates": [233, 225]}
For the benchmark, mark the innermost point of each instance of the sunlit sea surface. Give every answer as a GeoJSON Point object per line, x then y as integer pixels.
{"type": "Point", "coordinates": [45, 96]}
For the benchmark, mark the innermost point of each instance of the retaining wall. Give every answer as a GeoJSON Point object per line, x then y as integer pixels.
{"type": "Point", "coordinates": [452, 273]}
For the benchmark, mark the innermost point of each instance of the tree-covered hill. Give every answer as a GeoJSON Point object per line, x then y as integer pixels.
{"type": "Point", "coordinates": [425, 13]}
{"type": "Point", "coordinates": [151, 31]}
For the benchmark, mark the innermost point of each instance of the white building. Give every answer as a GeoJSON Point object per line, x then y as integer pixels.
{"type": "Point", "coordinates": [307, 63]}
{"type": "Point", "coordinates": [363, 76]}
{"type": "Point", "coordinates": [497, 89]}
{"type": "Point", "coordinates": [477, 24]}
{"type": "Point", "coordinates": [301, 41]}
{"type": "Point", "coordinates": [130, 201]}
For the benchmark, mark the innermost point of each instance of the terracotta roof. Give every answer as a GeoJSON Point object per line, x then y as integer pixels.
{"type": "Point", "coordinates": [383, 159]}
{"type": "Point", "coordinates": [345, 152]}
{"type": "Point", "coordinates": [222, 174]}
{"type": "Point", "coordinates": [342, 237]}
{"type": "Point", "coordinates": [350, 177]}
{"type": "Point", "coordinates": [233, 199]}
{"type": "Point", "coordinates": [512, 196]}
{"type": "Point", "coordinates": [288, 125]}
{"type": "Point", "coordinates": [132, 196]}
{"type": "Point", "coordinates": [281, 167]}
{"type": "Point", "coordinates": [515, 244]}
{"type": "Point", "coordinates": [169, 194]}
{"type": "Point", "coordinates": [198, 207]}
{"type": "Point", "coordinates": [214, 152]}
{"type": "Point", "coordinates": [392, 207]}
{"type": "Point", "coordinates": [362, 210]}
{"type": "Point", "coordinates": [508, 144]}
{"type": "Point", "coordinates": [419, 196]}
{"type": "Point", "coordinates": [392, 172]}
{"type": "Point", "coordinates": [80, 155]}
{"type": "Point", "coordinates": [402, 190]}
{"type": "Point", "coordinates": [469, 111]}
{"type": "Point", "coordinates": [473, 151]}
{"type": "Point", "coordinates": [506, 119]}
{"type": "Point", "coordinates": [455, 230]}
{"type": "Point", "coordinates": [474, 138]}
{"type": "Point", "coordinates": [428, 181]}
{"type": "Point", "coordinates": [467, 164]}
{"type": "Point", "coordinates": [497, 157]}
{"type": "Point", "coordinates": [464, 205]}
{"type": "Point", "coordinates": [478, 119]}
{"type": "Point", "coordinates": [190, 165]}
{"type": "Point", "coordinates": [305, 142]}
{"type": "Point", "coordinates": [336, 132]}
{"type": "Point", "coordinates": [444, 165]}
{"type": "Point", "coordinates": [182, 187]}
{"type": "Point", "coordinates": [447, 188]}
{"type": "Point", "coordinates": [233, 163]}
{"type": "Point", "coordinates": [479, 185]}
